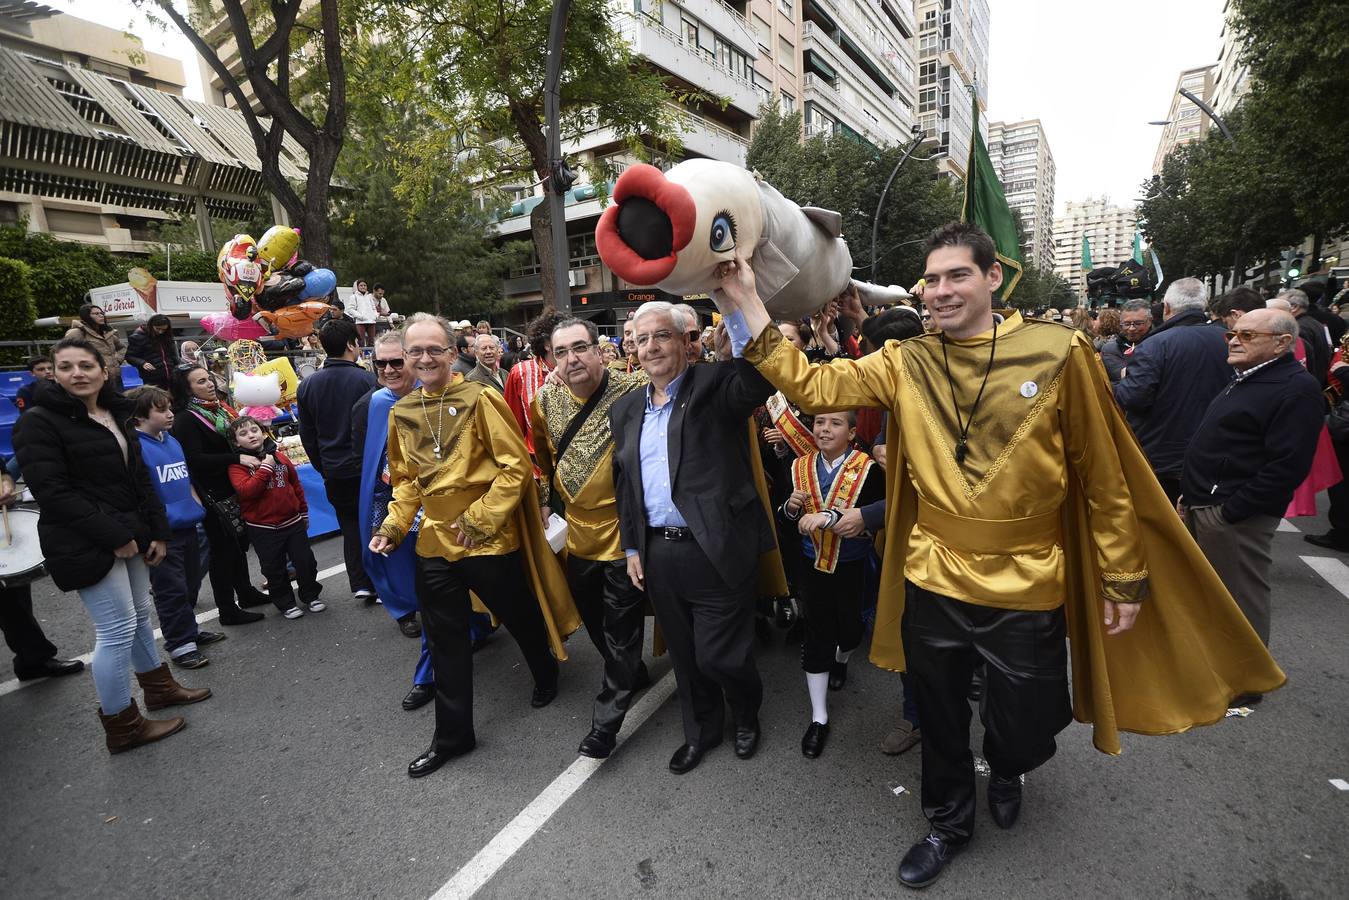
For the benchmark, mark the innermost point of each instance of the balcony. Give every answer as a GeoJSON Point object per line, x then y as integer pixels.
{"type": "Point", "coordinates": [860, 25]}
{"type": "Point", "coordinates": [706, 138]}
{"type": "Point", "coordinates": [818, 91]}
{"type": "Point", "coordinates": [695, 65]}
{"type": "Point", "coordinates": [726, 22]}
{"type": "Point", "coordinates": [894, 119]}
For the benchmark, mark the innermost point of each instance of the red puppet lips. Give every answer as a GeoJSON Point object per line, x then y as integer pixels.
{"type": "Point", "coordinates": [650, 221]}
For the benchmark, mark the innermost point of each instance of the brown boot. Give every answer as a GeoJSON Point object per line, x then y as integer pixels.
{"type": "Point", "coordinates": [161, 690]}
{"type": "Point", "coordinates": [130, 729]}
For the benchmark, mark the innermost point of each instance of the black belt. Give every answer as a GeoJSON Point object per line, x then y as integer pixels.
{"type": "Point", "coordinates": [670, 533]}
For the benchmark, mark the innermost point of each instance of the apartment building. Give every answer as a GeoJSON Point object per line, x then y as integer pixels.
{"type": "Point", "coordinates": [1108, 228]}
{"type": "Point", "coordinates": [952, 44]}
{"type": "Point", "coordinates": [1186, 122]}
{"type": "Point", "coordinates": [1230, 77]}
{"type": "Point", "coordinates": [1021, 156]}
{"type": "Point", "coordinates": [101, 146]}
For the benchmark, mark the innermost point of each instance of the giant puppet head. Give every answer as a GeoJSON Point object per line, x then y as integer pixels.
{"type": "Point", "coordinates": [672, 229]}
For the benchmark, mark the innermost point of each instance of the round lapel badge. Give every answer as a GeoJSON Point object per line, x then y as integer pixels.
{"type": "Point", "coordinates": [1029, 389]}
{"type": "Point", "coordinates": [454, 412]}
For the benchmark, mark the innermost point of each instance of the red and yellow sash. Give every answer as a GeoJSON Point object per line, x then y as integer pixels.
{"type": "Point", "coordinates": [799, 438]}
{"type": "Point", "coordinates": [843, 494]}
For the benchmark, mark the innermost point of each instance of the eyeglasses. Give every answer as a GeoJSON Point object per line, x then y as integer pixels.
{"type": "Point", "coordinates": [660, 337]}
{"type": "Point", "coordinates": [392, 363]}
{"type": "Point", "coordinates": [1130, 326]}
{"type": "Point", "coordinates": [1244, 336]}
{"type": "Point", "coordinates": [433, 352]}
{"type": "Point", "coordinates": [561, 353]}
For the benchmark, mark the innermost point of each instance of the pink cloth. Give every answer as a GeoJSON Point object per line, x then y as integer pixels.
{"type": "Point", "coordinates": [1325, 473]}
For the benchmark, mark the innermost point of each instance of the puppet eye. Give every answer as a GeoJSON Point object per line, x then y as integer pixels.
{"type": "Point", "coordinates": [723, 232]}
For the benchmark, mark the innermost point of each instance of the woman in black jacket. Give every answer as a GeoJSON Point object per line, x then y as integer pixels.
{"type": "Point", "coordinates": [101, 525]}
{"type": "Point", "coordinates": [152, 351]}
{"type": "Point", "coordinates": [201, 424]}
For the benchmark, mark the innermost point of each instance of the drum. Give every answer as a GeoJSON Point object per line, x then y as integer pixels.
{"type": "Point", "coordinates": [21, 560]}
{"type": "Point", "coordinates": [305, 369]}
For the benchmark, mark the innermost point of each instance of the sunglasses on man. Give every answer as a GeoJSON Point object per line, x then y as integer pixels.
{"type": "Point", "coordinates": [1245, 335]}
{"type": "Point", "coordinates": [396, 363]}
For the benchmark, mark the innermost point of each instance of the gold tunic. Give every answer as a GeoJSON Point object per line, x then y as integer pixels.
{"type": "Point", "coordinates": [988, 530]}
{"type": "Point", "coordinates": [585, 474]}
{"type": "Point", "coordinates": [1056, 500]}
{"type": "Point", "coordinates": [481, 480]}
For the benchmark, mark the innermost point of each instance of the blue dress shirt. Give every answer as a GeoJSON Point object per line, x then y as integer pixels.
{"type": "Point", "coordinates": [654, 452]}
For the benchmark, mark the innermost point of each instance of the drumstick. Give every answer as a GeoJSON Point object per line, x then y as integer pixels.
{"type": "Point", "coordinates": [9, 538]}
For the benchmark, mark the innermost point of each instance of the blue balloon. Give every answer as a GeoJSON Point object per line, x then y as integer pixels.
{"type": "Point", "coordinates": [319, 283]}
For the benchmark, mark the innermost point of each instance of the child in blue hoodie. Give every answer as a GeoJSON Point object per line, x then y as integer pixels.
{"type": "Point", "coordinates": [176, 581]}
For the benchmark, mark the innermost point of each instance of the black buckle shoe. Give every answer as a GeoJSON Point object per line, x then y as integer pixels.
{"type": "Point", "coordinates": [433, 759]}
{"type": "Point", "coordinates": [419, 696]}
{"type": "Point", "coordinates": [598, 744]}
{"type": "Point", "coordinates": [812, 744]}
{"type": "Point", "coordinates": [1004, 800]}
{"type": "Point", "coordinates": [746, 739]}
{"type": "Point", "coordinates": [838, 675]}
{"type": "Point", "coordinates": [686, 758]}
{"type": "Point", "coordinates": [543, 695]}
{"type": "Point", "coordinates": [924, 862]}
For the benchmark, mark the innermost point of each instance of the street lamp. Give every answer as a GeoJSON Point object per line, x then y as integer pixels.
{"type": "Point", "coordinates": [560, 176]}
{"type": "Point", "coordinates": [917, 133]}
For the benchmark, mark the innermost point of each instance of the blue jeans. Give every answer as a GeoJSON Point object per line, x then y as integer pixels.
{"type": "Point", "coordinates": [120, 607]}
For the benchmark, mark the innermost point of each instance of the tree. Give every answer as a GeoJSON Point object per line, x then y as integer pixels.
{"type": "Point", "coordinates": [60, 272]}
{"type": "Point", "coordinates": [437, 255]}
{"type": "Point", "coordinates": [1040, 289]}
{"type": "Point", "coordinates": [310, 46]}
{"type": "Point", "coordinates": [847, 174]}
{"type": "Point", "coordinates": [1297, 55]}
{"type": "Point", "coordinates": [16, 306]}
{"type": "Point", "coordinates": [480, 66]}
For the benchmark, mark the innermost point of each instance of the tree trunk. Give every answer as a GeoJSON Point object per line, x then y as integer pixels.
{"type": "Point", "coordinates": [541, 228]}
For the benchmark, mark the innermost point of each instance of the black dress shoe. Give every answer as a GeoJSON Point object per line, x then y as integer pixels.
{"type": "Point", "coordinates": [239, 617]}
{"type": "Point", "coordinates": [50, 668]}
{"type": "Point", "coordinates": [210, 637]}
{"type": "Point", "coordinates": [410, 626]}
{"type": "Point", "coordinates": [433, 759]}
{"type": "Point", "coordinates": [543, 695]}
{"type": "Point", "coordinates": [686, 758]}
{"type": "Point", "coordinates": [838, 675]}
{"type": "Point", "coordinates": [419, 696]}
{"type": "Point", "coordinates": [253, 597]}
{"type": "Point", "coordinates": [812, 745]}
{"type": "Point", "coordinates": [1330, 540]}
{"type": "Point", "coordinates": [746, 739]}
{"type": "Point", "coordinates": [925, 860]}
{"type": "Point", "coordinates": [1004, 800]}
{"type": "Point", "coordinates": [598, 744]}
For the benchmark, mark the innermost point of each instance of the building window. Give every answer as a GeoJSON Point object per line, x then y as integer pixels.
{"type": "Point", "coordinates": [927, 72]}
{"type": "Point", "coordinates": [786, 51]}
{"type": "Point", "coordinates": [787, 101]}
{"type": "Point", "coordinates": [927, 100]}
{"type": "Point", "coordinates": [927, 45]}
{"type": "Point", "coordinates": [764, 32]}
{"type": "Point", "coordinates": [785, 7]}
{"type": "Point", "coordinates": [691, 33]}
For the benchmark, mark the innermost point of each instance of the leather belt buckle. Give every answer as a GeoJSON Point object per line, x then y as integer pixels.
{"type": "Point", "coordinates": [672, 533]}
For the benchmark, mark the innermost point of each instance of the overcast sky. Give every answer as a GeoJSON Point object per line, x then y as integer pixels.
{"type": "Point", "coordinates": [1095, 73]}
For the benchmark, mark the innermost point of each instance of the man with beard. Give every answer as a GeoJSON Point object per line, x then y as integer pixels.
{"type": "Point", "coordinates": [574, 448]}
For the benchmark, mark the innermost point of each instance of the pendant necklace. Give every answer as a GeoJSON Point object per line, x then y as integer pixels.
{"type": "Point", "coordinates": [964, 424]}
{"type": "Point", "coordinates": [440, 418]}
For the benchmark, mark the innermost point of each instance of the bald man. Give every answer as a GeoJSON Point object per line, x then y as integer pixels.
{"type": "Point", "coordinates": [1252, 449]}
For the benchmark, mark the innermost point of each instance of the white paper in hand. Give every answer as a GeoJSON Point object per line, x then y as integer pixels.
{"type": "Point", "coordinates": [556, 532]}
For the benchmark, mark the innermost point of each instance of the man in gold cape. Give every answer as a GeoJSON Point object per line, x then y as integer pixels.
{"type": "Point", "coordinates": [1019, 506]}
{"type": "Point", "coordinates": [457, 458]}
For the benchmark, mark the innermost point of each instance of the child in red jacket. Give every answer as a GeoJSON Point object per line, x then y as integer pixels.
{"type": "Point", "coordinates": [272, 505]}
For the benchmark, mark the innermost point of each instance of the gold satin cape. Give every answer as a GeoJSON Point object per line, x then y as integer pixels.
{"type": "Point", "coordinates": [1190, 651]}
{"type": "Point", "coordinates": [482, 480]}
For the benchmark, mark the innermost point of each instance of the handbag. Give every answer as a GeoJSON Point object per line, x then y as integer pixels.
{"type": "Point", "coordinates": [229, 516]}
{"type": "Point", "coordinates": [1338, 423]}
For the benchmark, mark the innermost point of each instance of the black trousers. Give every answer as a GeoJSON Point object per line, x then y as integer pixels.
{"type": "Point", "coordinates": [175, 583]}
{"type": "Point", "coordinates": [709, 629]}
{"type": "Point", "coordinates": [442, 597]}
{"type": "Point", "coordinates": [1338, 495]}
{"type": "Point", "coordinates": [344, 495]}
{"type": "Point", "coordinates": [22, 632]}
{"type": "Point", "coordinates": [1024, 704]}
{"type": "Point", "coordinates": [833, 607]}
{"type": "Point", "coordinates": [614, 613]}
{"type": "Point", "coordinates": [275, 548]}
{"type": "Point", "coordinates": [228, 571]}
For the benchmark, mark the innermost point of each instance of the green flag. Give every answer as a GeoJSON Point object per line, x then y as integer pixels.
{"type": "Point", "coordinates": [1138, 247]}
{"type": "Point", "coordinates": [1086, 255]}
{"type": "Point", "coordinates": [986, 206]}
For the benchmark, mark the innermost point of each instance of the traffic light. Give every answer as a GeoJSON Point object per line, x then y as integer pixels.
{"type": "Point", "coordinates": [1292, 265]}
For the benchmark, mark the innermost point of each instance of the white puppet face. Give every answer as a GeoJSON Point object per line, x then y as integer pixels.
{"type": "Point", "coordinates": [671, 229]}
{"type": "Point", "coordinates": [257, 390]}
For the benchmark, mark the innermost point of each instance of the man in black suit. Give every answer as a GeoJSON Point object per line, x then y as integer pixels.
{"type": "Point", "coordinates": [692, 525]}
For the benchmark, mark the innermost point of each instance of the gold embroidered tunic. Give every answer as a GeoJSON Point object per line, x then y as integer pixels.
{"type": "Point", "coordinates": [584, 475]}
{"type": "Point", "coordinates": [988, 529]}
{"type": "Point", "coordinates": [478, 481]}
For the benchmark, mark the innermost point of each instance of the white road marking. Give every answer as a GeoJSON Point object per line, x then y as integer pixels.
{"type": "Point", "coordinates": [1332, 570]}
{"type": "Point", "coordinates": [1340, 784]}
{"type": "Point", "coordinates": [1285, 525]}
{"type": "Point", "coordinates": [489, 860]}
{"type": "Point", "coordinates": [14, 684]}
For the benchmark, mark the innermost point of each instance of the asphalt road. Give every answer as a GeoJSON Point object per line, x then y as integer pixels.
{"type": "Point", "coordinates": [290, 782]}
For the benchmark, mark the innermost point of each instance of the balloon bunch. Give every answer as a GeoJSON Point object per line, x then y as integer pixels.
{"type": "Point", "coordinates": [266, 281]}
